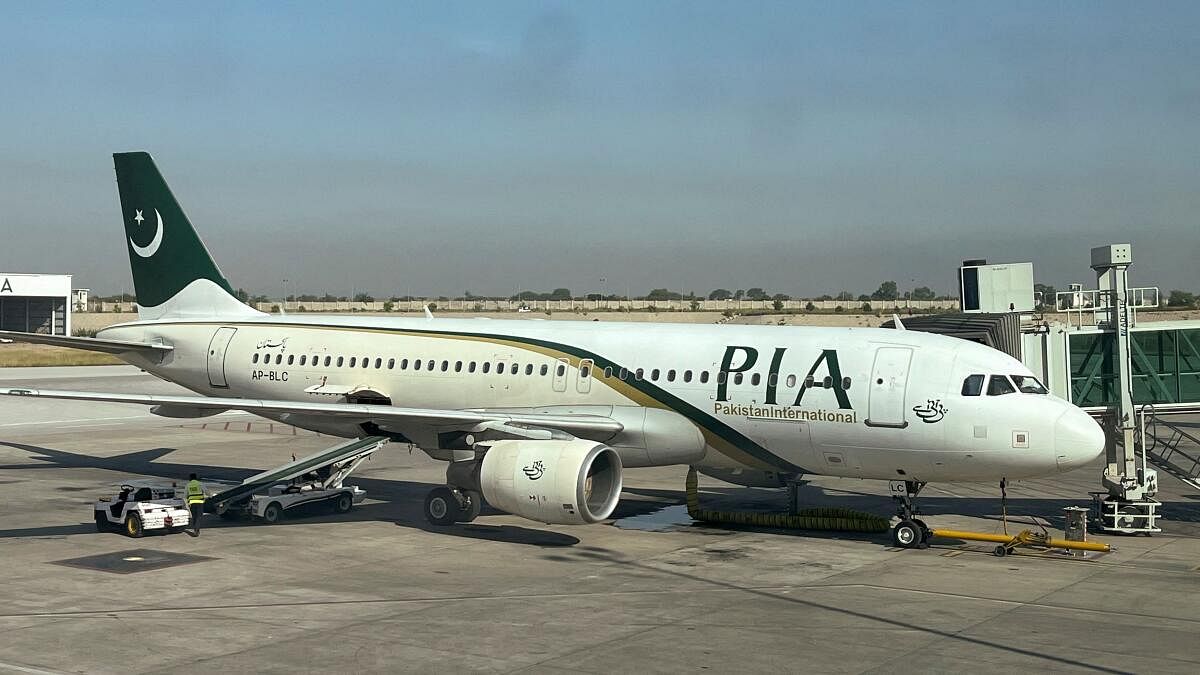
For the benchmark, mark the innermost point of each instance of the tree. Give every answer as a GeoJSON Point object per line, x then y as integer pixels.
{"type": "Point", "coordinates": [810, 307]}
{"type": "Point", "coordinates": [739, 294]}
{"type": "Point", "coordinates": [1046, 296]}
{"type": "Point", "coordinates": [866, 307]}
{"type": "Point", "coordinates": [778, 305]}
{"type": "Point", "coordinates": [663, 294]}
{"type": "Point", "coordinates": [844, 296]}
{"type": "Point", "coordinates": [1181, 299]}
{"type": "Point", "coordinates": [923, 293]}
{"type": "Point", "coordinates": [756, 294]}
{"type": "Point", "coordinates": [720, 294]}
{"type": "Point", "coordinates": [363, 297]}
{"type": "Point", "coordinates": [864, 298]}
{"type": "Point", "coordinates": [560, 294]}
{"type": "Point", "coordinates": [886, 291]}
{"type": "Point", "coordinates": [781, 296]}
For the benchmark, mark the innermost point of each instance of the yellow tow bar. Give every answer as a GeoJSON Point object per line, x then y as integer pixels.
{"type": "Point", "coordinates": [1008, 542]}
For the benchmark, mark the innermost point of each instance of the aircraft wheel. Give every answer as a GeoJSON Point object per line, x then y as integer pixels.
{"type": "Point", "coordinates": [926, 533]}
{"type": "Point", "coordinates": [442, 507]}
{"type": "Point", "coordinates": [133, 525]}
{"type": "Point", "coordinates": [1000, 551]}
{"type": "Point", "coordinates": [343, 503]}
{"type": "Point", "coordinates": [472, 505]}
{"type": "Point", "coordinates": [272, 514]}
{"type": "Point", "coordinates": [908, 534]}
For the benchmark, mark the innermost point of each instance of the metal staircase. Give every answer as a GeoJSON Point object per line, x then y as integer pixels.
{"type": "Point", "coordinates": [1172, 448]}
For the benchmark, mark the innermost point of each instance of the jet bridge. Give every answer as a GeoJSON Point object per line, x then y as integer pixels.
{"type": "Point", "coordinates": [331, 467]}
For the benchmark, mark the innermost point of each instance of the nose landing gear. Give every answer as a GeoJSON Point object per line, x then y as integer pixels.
{"type": "Point", "coordinates": [910, 532]}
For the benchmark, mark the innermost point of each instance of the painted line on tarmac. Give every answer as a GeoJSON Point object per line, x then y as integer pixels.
{"type": "Point", "coordinates": [26, 669]}
{"type": "Point", "coordinates": [82, 419]}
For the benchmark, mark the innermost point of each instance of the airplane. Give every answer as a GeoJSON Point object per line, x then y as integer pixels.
{"type": "Point", "coordinates": [541, 418]}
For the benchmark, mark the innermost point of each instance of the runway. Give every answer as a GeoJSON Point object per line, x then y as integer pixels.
{"type": "Point", "coordinates": [379, 590]}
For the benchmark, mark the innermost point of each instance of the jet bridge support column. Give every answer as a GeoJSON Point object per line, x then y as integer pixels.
{"type": "Point", "coordinates": [1129, 506]}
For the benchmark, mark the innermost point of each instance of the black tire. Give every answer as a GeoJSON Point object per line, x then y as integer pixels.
{"type": "Point", "coordinates": [926, 533]}
{"type": "Point", "coordinates": [908, 534]}
{"type": "Point", "coordinates": [101, 522]}
{"type": "Point", "coordinates": [442, 506]}
{"type": "Point", "coordinates": [273, 513]}
{"type": "Point", "coordinates": [1000, 551]}
{"type": "Point", "coordinates": [133, 526]}
{"type": "Point", "coordinates": [472, 506]}
{"type": "Point", "coordinates": [343, 503]}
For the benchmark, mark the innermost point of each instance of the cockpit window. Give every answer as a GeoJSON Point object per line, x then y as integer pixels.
{"type": "Point", "coordinates": [998, 385]}
{"type": "Point", "coordinates": [1028, 384]}
{"type": "Point", "coordinates": [973, 385]}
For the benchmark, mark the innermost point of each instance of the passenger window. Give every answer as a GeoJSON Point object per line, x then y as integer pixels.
{"type": "Point", "coordinates": [704, 377]}
{"type": "Point", "coordinates": [721, 377]}
{"type": "Point", "coordinates": [637, 374]}
{"type": "Point", "coordinates": [487, 367]}
{"type": "Point", "coordinates": [515, 369]}
{"type": "Point", "coordinates": [303, 358]}
{"type": "Point", "coordinates": [255, 359]}
{"type": "Point", "coordinates": [445, 366]}
{"type": "Point", "coordinates": [846, 383]}
{"type": "Point", "coordinates": [755, 379]}
{"type": "Point", "coordinates": [499, 367]}
{"type": "Point", "coordinates": [340, 361]}
{"type": "Point", "coordinates": [458, 366]}
{"type": "Point", "coordinates": [607, 372]}
{"type": "Point", "coordinates": [545, 369]}
{"type": "Point", "coordinates": [1028, 384]}
{"type": "Point", "coordinates": [808, 381]}
{"type": "Point", "coordinates": [416, 364]}
{"type": "Point", "coordinates": [378, 363]}
{"type": "Point", "coordinates": [998, 385]}
{"type": "Point", "coordinates": [827, 382]}
{"type": "Point", "coordinates": [403, 364]}
{"type": "Point", "coordinates": [737, 378]}
{"type": "Point", "coordinates": [351, 362]}
{"type": "Point", "coordinates": [623, 374]}
{"type": "Point", "coordinates": [366, 362]}
{"type": "Point", "coordinates": [291, 359]}
{"type": "Point", "coordinates": [973, 385]}
{"type": "Point", "coordinates": [687, 376]}
{"type": "Point", "coordinates": [654, 375]}
{"type": "Point", "coordinates": [429, 365]}
{"type": "Point", "coordinates": [391, 364]}
{"type": "Point", "coordinates": [670, 376]}
{"type": "Point", "coordinates": [528, 368]}
{"type": "Point", "coordinates": [560, 370]}
{"type": "Point", "coordinates": [585, 372]}
{"type": "Point", "coordinates": [328, 359]}
{"type": "Point", "coordinates": [471, 367]}
{"type": "Point", "coordinates": [791, 380]}
{"type": "Point", "coordinates": [278, 359]}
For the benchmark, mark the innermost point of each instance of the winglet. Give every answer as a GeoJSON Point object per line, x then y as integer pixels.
{"type": "Point", "coordinates": [899, 323]}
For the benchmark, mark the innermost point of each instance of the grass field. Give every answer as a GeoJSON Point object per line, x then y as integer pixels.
{"type": "Point", "coordinates": [17, 355]}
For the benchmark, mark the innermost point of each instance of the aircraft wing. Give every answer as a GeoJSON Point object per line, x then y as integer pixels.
{"type": "Point", "coordinates": [589, 426]}
{"type": "Point", "coordinates": [89, 344]}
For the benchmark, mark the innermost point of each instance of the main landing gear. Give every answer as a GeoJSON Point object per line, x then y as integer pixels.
{"type": "Point", "coordinates": [910, 532]}
{"type": "Point", "coordinates": [459, 501]}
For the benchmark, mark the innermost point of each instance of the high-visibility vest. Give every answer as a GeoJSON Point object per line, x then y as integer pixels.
{"type": "Point", "coordinates": [195, 492]}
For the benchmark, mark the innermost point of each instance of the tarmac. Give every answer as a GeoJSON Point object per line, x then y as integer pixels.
{"type": "Point", "coordinates": [379, 590]}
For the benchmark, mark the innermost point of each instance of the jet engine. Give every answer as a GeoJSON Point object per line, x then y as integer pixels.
{"type": "Point", "coordinates": [566, 482]}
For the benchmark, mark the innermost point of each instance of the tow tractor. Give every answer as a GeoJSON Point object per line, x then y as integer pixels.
{"type": "Point", "coordinates": [298, 485]}
{"type": "Point", "coordinates": [142, 507]}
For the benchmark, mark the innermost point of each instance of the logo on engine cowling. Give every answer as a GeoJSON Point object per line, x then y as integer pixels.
{"type": "Point", "coordinates": [535, 471]}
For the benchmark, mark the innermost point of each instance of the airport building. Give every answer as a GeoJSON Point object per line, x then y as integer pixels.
{"type": "Point", "coordinates": [35, 303]}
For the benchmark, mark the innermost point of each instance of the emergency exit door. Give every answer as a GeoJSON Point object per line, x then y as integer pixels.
{"type": "Point", "coordinates": [889, 380]}
{"type": "Point", "coordinates": [216, 355]}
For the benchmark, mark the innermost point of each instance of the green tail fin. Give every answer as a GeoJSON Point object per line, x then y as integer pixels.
{"type": "Point", "coordinates": [165, 252]}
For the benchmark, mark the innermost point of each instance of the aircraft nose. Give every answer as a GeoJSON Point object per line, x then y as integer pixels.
{"type": "Point", "coordinates": [1078, 439]}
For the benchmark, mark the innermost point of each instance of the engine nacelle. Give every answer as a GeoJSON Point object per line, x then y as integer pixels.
{"type": "Point", "coordinates": [571, 482]}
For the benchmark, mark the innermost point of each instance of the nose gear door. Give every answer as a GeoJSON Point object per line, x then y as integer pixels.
{"type": "Point", "coordinates": [216, 355]}
{"type": "Point", "coordinates": [889, 379]}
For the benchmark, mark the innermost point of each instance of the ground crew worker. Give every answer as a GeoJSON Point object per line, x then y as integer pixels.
{"type": "Point", "coordinates": [195, 501]}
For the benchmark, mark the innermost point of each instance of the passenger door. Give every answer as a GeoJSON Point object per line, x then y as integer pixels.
{"type": "Point", "coordinates": [216, 355]}
{"type": "Point", "coordinates": [889, 379]}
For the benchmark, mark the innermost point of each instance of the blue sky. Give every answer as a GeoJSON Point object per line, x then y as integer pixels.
{"type": "Point", "coordinates": [442, 147]}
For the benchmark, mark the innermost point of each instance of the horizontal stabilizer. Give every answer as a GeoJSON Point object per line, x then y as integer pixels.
{"type": "Point", "coordinates": [86, 343]}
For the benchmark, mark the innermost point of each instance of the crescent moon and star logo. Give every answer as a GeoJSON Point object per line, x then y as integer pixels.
{"type": "Point", "coordinates": [151, 248]}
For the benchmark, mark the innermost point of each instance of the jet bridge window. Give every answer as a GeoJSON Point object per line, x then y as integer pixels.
{"type": "Point", "coordinates": [1028, 384]}
{"type": "Point", "coordinates": [998, 385]}
{"type": "Point", "coordinates": [973, 385]}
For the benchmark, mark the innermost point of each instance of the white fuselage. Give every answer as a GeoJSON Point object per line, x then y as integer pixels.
{"type": "Point", "coordinates": [770, 401]}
